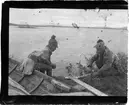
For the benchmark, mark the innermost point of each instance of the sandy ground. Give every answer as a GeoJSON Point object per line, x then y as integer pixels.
{"type": "Point", "coordinates": [73, 43]}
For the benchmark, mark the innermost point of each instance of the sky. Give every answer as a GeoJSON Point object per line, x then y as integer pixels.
{"type": "Point", "coordinates": [116, 18]}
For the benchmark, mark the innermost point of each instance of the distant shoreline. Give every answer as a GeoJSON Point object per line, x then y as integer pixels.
{"type": "Point", "coordinates": [38, 26]}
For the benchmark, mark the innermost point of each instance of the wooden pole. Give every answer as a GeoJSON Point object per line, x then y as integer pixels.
{"type": "Point", "coordinates": [90, 88]}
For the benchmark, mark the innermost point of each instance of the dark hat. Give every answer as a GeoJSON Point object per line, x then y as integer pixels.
{"type": "Point", "coordinates": [100, 40]}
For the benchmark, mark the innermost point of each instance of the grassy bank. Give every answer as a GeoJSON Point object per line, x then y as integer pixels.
{"type": "Point", "coordinates": [113, 85]}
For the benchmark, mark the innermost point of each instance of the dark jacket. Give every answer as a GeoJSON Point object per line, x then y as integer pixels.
{"type": "Point", "coordinates": [104, 61]}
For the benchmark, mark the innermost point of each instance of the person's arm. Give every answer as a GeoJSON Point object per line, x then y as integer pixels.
{"type": "Point", "coordinates": [48, 62]}
{"type": "Point", "coordinates": [43, 60]}
{"type": "Point", "coordinates": [94, 58]}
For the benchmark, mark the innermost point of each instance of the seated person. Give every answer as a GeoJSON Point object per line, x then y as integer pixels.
{"type": "Point", "coordinates": [40, 60]}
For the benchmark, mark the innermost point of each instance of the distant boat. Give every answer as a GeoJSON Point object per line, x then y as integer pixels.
{"type": "Point", "coordinates": [75, 25]}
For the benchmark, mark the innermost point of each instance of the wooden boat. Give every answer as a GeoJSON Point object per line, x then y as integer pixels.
{"type": "Point", "coordinates": [41, 84]}
{"type": "Point", "coordinates": [37, 83]}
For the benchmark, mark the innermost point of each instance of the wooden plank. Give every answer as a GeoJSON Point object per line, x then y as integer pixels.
{"type": "Point", "coordinates": [15, 92]}
{"type": "Point", "coordinates": [72, 94]}
{"type": "Point", "coordinates": [16, 75]}
{"type": "Point", "coordinates": [21, 74]}
{"type": "Point", "coordinates": [36, 86]}
{"type": "Point", "coordinates": [49, 87]}
{"type": "Point", "coordinates": [15, 84]}
{"type": "Point", "coordinates": [21, 79]}
{"type": "Point", "coordinates": [10, 71]}
{"type": "Point", "coordinates": [46, 77]}
{"type": "Point", "coordinates": [40, 91]}
{"type": "Point", "coordinates": [30, 82]}
{"type": "Point", "coordinates": [60, 85]}
{"type": "Point", "coordinates": [90, 88]}
{"type": "Point", "coordinates": [45, 91]}
{"type": "Point", "coordinates": [55, 83]}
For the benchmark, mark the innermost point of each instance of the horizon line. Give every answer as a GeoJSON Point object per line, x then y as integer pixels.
{"type": "Point", "coordinates": [47, 25]}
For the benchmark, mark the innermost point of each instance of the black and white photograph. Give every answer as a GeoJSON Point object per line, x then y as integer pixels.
{"type": "Point", "coordinates": [68, 52]}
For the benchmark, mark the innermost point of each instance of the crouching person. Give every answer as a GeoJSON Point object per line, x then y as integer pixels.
{"type": "Point", "coordinates": [40, 60]}
{"type": "Point", "coordinates": [105, 61]}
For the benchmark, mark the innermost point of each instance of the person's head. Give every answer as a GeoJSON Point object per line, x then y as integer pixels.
{"type": "Point", "coordinates": [100, 46]}
{"type": "Point", "coordinates": [53, 44]}
{"type": "Point", "coordinates": [53, 37]}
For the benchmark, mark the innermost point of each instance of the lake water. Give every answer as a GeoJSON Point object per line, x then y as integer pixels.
{"type": "Point", "coordinates": [73, 43]}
